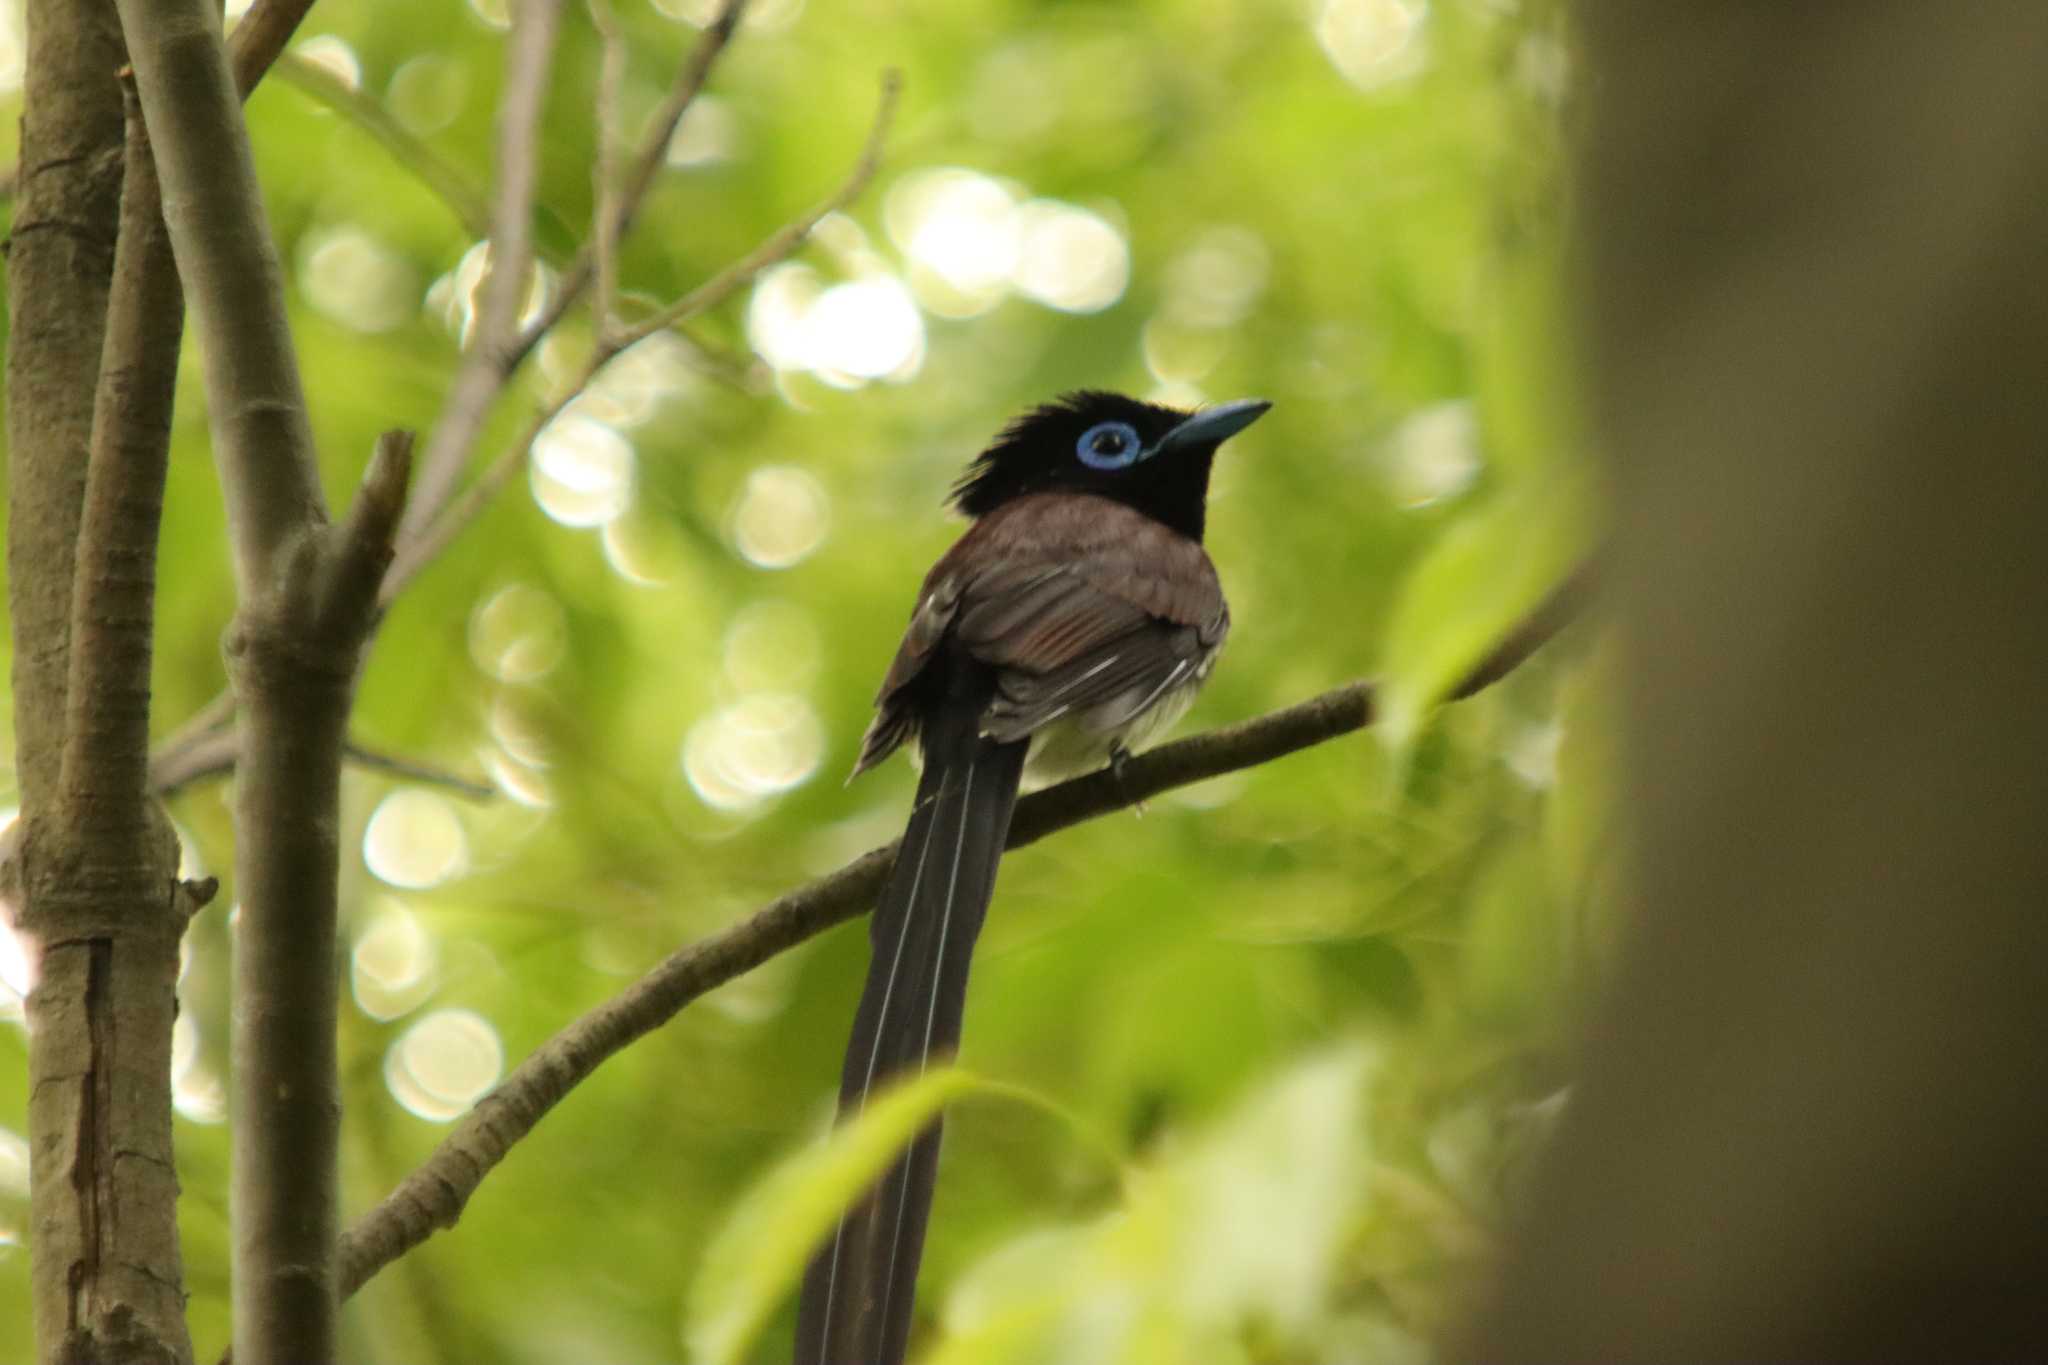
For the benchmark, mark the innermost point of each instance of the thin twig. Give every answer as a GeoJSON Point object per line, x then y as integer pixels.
{"type": "Point", "coordinates": [528, 57]}
{"type": "Point", "coordinates": [647, 163]}
{"type": "Point", "coordinates": [779, 245]}
{"type": "Point", "coordinates": [416, 552]}
{"type": "Point", "coordinates": [440, 177]}
{"type": "Point", "coordinates": [260, 36]}
{"type": "Point", "coordinates": [433, 1196]}
{"type": "Point", "coordinates": [376, 760]}
{"type": "Point", "coordinates": [216, 753]}
{"type": "Point", "coordinates": [604, 229]}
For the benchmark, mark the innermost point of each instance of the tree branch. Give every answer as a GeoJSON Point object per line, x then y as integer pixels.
{"type": "Point", "coordinates": [260, 37]}
{"type": "Point", "coordinates": [307, 591]}
{"type": "Point", "coordinates": [97, 887]}
{"type": "Point", "coordinates": [429, 167]}
{"type": "Point", "coordinates": [113, 600]}
{"type": "Point", "coordinates": [604, 174]}
{"type": "Point", "coordinates": [528, 55]}
{"type": "Point", "coordinates": [417, 551]}
{"type": "Point", "coordinates": [779, 245]}
{"type": "Point", "coordinates": [433, 1196]}
{"type": "Point", "coordinates": [214, 210]}
{"type": "Point", "coordinates": [462, 419]}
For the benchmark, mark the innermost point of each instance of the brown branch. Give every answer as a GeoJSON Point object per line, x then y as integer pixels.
{"type": "Point", "coordinates": [306, 592]}
{"type": "Point", "coordinates": [417, 551]}
{"type": "Point", "coordinates": [604, 174]}
{"type": "Point", "coordinates": [433, 1196]}
{"type": "Point", "coordinates": [647, 163]}
{"type": "Point", "coordinates": [529, 53]}
{"type": "Point", "coordinates": [661, 131]}
{"type": "Point", "coordinates": [96, 886]}
{"type": "Point", "coordinates": [780, 244]}
{"type": "Point", "coordinates": [106, 740]}
{"type": "Point", "coordinates": [260, 36]}
{"type": "Point", "coordinates": [214, 753]}
{"type": "Point", "coordinates": [397, 765]}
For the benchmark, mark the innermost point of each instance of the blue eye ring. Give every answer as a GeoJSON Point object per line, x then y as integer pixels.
{"type": "Point", "coordinates": [1109, 445]}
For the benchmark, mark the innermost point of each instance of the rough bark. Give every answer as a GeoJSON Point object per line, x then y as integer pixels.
{"type": "Point", "coordinates": [93, 862]}
{"type": "Point", "coordinates": [1811, 1124]}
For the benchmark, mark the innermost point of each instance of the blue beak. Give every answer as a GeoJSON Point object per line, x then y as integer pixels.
{"type": "Point", "coordinates": [1214, 426]}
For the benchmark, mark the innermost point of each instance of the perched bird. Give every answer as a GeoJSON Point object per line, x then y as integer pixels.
{"type": "Point", "coordinates": [1073, 620]}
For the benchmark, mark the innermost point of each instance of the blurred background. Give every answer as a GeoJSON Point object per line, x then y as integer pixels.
{"type": "Point", "coordinates": [1303, 1021]}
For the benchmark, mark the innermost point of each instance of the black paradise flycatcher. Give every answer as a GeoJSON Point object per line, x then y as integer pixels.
{"type": "Point", "coordinates": [1070, 624]}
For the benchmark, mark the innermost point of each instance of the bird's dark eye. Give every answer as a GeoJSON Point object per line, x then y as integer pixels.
{"type": "Point", "coordinates": [1109, 445]}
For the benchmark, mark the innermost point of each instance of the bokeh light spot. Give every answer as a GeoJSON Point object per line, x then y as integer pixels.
{"type": "Point", "coordinates": [335, 57]}
{"type": "Point", "coordinates": [392, 965]}
{"type": "Point", "coordinates": [962, 234]}
{"type": "Point", "coordinates": [781, 516]}
{"type": "Point", "coordinates": [355, 279]}
{"type": "Point", "coordinates": [454, 295]}
{"type": "Point", "coordinates": [1372, 42]}
{"type": "Point", "coordinates": [759, 746]}
{"type": "Point", "coordinates": [13, 1164]}
{"type": "Point", "coordinates": [708, 134]}
{"type": "Point", "coordinates": [518, 635]}
{"type": "Point", "coordinates": [1070, 259]}
{"type": "Point", "coordinates": [443, 1064]}
{"type": "Point", "coordinates": [427, 94]}
{"type": "Point", "coordinates": [13, 49]}
{"type": "Point", "coordinates": [581, 471]}
{"type": "Point", "coordinates": [1434, 454]}
{"type": "Point", "coordinates": [415, 840]}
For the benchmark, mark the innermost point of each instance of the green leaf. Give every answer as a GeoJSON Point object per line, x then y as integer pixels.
{"type": "Point", "coordinates": [1240, 1227]}
{"type": "Point", "coordinates": [758, 1256]}
{"type": "Point", "coordinates": [1471, 589]}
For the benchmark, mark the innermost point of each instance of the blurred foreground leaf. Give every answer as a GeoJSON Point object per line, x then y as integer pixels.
{"type": "Point", "coordinates": [1233, 1237]}
{"type": "Point", "coordinates": [1468, 593]}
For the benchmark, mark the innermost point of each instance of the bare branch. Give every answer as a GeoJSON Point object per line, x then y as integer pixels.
{"type": "Point", "coordinates": [214, 755]}
{"type": "Point", "coordinates": [213, 208]}
{"type": "Point", "coordinates": [647, 162]}
{"type": "Point", "coordinates": [447, 182]}
{"type": "Point", "coordinates": [605, 229]}
{"type": "Point", "coordinates": [485, 366]}
{"type": "Point", "coordinates": [198, 756]}
{"type": "Point", "coordinates": [376, 760]}
{"type": "Point", "coordinates": [113, 599]}
{"type": "Point", "coordinates": [780, 244]}
{"type": "Point", "coordinates": [661, 130]}
{"type": "Point", "coordinates": [415, 552]}
{"type": "Point", "coordinates": [433, 1196]}
{"type": "Point", "coordinates": [260, 37]}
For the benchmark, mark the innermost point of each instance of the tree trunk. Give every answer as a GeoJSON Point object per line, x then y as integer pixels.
{"type": "Point", "coordinates": [1811, 1124]}
{"type": "Point", "coordinates": [93, 865]}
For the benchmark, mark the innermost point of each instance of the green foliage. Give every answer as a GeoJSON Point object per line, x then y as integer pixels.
{"type": "Point", "coordinates": [667, 701]}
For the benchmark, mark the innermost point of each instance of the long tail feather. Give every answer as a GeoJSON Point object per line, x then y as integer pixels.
{"type": "Point", "coordinates": [856, 1303]}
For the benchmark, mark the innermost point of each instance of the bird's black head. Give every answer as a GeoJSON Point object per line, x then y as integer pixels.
{"type": "Point", "coordinates": [1150, 457]}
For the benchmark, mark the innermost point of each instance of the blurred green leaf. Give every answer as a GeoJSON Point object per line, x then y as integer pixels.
{"type": "Point", "coordinates": [1471, 588]}
{"type": "Point", "coordinates": [1239, 1228]}
{"type": "Point", "coordinates": [752, 1264]}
